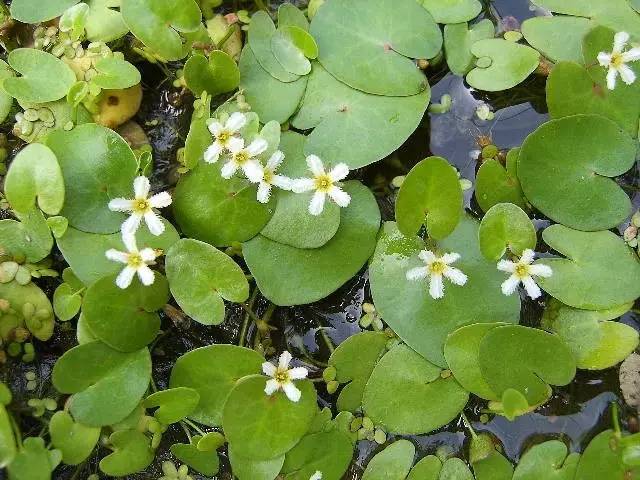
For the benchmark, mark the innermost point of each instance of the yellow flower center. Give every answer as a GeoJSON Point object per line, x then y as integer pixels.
{"type": "Point", "coordinates": [135, 260]}
{"type": "Point", "coordinates": [282, 376]}
{"type": "Point", "coordinates": [268, 176]}
{"type": "Point", "coordinates": [323, 183]}
{"type": "Point", "coordinates": [224, 136]}
{"type": "Point", "coordinates": [522, 270]}
{"type": "Point", "coordinates": [241, 157]}
{"type": "Point", "coordinates": [438, 267]}
{"type": "Point", "coordinates": [617, 60]}
{"type": "Point", "coordinates": [141, 205]}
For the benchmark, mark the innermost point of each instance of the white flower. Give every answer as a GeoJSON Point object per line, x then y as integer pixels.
{"type": "Point", "coordinates": [270, 178]}
{"type": "Point", "coordinates": [244, 158]}
{"type": "Point", "coordinates": [316, 476]}
{"type": "Point", "coordinates": [282, 377]}
{"type": "Point", "coordinates": [324, 184]}
{"type": "Point", "coordinates": [136, 261]}
{"type": "Point", "coordinates": [141, 207]}
{"type": "Point", "coordinates": [617, 60]}
{"type": "Point", "coordinates": [523, 271]}
{"type": "Point", "coordinates": [223, 135]}
{"type": "Point", "coordinates": [436, 268]}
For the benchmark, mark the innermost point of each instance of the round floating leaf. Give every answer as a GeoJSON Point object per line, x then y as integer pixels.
{"type": "Point", "coordinates": [526, 360]}
{"type": "Point", "coordinates": [175, 404]}
{"type": "Point", "coordinates": [30, 237]}
{"type": "Point", "coordinates": [217, 75]}
{"type": "Point", "coordinates": [45, 78]}
{"type": "Point", "coordinates": [292, 46]}
{"type": "Point", "coordinates": [291, 276]}
{"type": "Point", "coordinates": [487, 462]}
{"type": "Point", "coordinates": [216, 210]}
{"type": "Point", "coordinates": [8, 448]}
{"type": "Point", "coordinates": [66, 302]}
{"type": "Point", "coordinates": [327, 452]}
{"type": "Point", "coordinates": [115, 73]}
{"type": "Point", "coordinates": [458, 38]}
{"type": "Point", "coordinates": [200, 277]}
{"type": "Point", "coordinates": [270, 98]}
{"type": "Point", "coordinates": [509, 64]}
{"type": "Point", "coordinates": [250, 469]}
{"type": "Point", "coordinates": [107, 384]}
{"type": "Point", "coordinates": [125, 319]}
{"type": "Point", "coordinates": [428, 468]}
{"type": "Point", "coordinates": [407, 395]}
{"type": "Point", "coordinates": [290, 15]}
{"type": "Point", "coordinates": [261, 426]}
{"type": "Point", "coordinates": [104, 22]}
{"type": "Point", "coordinates": [132, 453]}
{"type": "Point", "coordinates": [430, 195]}
{"type": "Point", "coordinates": [580, 151]}
{"type": "Point", "coordinates": [354, 127]}
{"type": "Point", "coordinates": [497, 184]}
{"type": "Point", "coordinates": [600, 271]}
{"type": "Point", "coordinates": [6, 100]}
{"type": "Point", "coordinates": [32, 462]}
{"type": "Point", "coordinates": [41, 322]}
{"type": "Point", "coordinates": [213, 371]}
{"type": "Point", "coordinates": [422, 322]}
{"type": "Point", "coordinates": [35, 11]}
{"type": "Point", "coordinates": [452, 11]}
{"type": "Point", "coordinates": [504, 226]}
{"type": "Point", "coordinates": [206, 463]}
{"type": "Point", "coordinates": [35, 173]}
{"type": "Point", "coordinates": [261, 32]}
{"type": "Point", "coordinates": [557, 38]}
{"type": "Point", "coordinates": [603, 459]}
{"type": "Point", "coordinates": [354, 360]}
{"type": "Point", "coordinates": [156, 23]}
{"type": "Point", "coordinates": [85, 252]}
{"type": "Point", "coordinates": [97, 166]}
{"type": "Point", "coordinates": [74, 440]}
{"type": "Point", "coordinates": [382, 41]}
{"type": "Point", "coordinates": [549, 460]}
{"type": "Point", "coordinates": [393, 463]}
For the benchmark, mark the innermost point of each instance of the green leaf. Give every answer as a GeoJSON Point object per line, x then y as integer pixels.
{"type": "Point", "coordinates": [32, 461]}
{"type": "Point", "coordinates": [35, 173]}
{"type": "Point", "coordinates": [600, 271]}
{"type": "Point", "coordinates": [132, 453]}
{"type": "Point", "coordinates": [125, 319]}
{"type": "Point", "coordinates": [85, 252]}
{"type": "Point", "coordinates": [44, 78]}
{"type": "Point", "coordinates": [458, 39]}
{"type": "Point", "coordinates": [558, 38]}
{"type": "Point", "coordinates": [328, 452]}
{"type": "Point", "coordinates": [261, 31]}
{"type": "Point", "coordinates": [428, 468]}
{"type": "Point", "coordinates": [290, 15]}
{"type": "Point", "coordinates": [107, 384]}
{"type": "Point", "coordinates": [407, 395]}
{"type": "Point", "coordinates": [510, 63]}
{"type": "Point", "coordinates": [206, 463]}
{"type": "Point", "coordinates": [549, 460]}
{"type": "Point", "coordinates": [292, 276]}
{"type": "Point", "coordinates": [393, 463]}
{"type": "Point", "coordinates": [487, 462]}
{"type": "Point", "coordinates": [355, 127]}
{"type": "Point", "coordinates": [269, 97]}
{"type": "Point", "coordinates": [175, 404]}
{"type": "Point", "coordinates": [580, 151]}
{"type": "Point", "coordinates": [41, 322]}
{"type": "Point", "coordinates": [104, 22]}
{"type": "Point", "coordinates": [97, 166]}
{"type": "Point", "coordinates": [156, 23]}
{"type": "Point", "coordinates": [497, 184]}
{"type": "Point", "coordinates": [506, 226]}
{"type": "Point", "coordinates": [8, 448]}
{"type": "Point", "coordinates": [66, 302]}
{"type": "Point", "coordinates": [261, 426]}
{"type": "Point", "coordinates": [251, 469]}
{"type": "Point", "coordinates": [6, 100]}
{"type": "Point", "coordinates": [219, 74]}
{"type": "Point", "coordinates": [115, 73]}
{"type": "Point", "coordinates": [455, 468]}
{"type": "Point", "coordinates": [35, 11]}
{"type": "Point", "coordinates": [422, 322]}
{"type": "Point", "coordinates": [74, 440]}
{"type": "Point", "coordinates": [430, 195]}
{"type": "Point", "coordinates": [292, 46]}
{"type": "Point", "coordinates": [603, 459]}
{"type": "Point", "coordinates": [452, 11]}
{"type": "Point", "coordinates": [30, 237]}
{"type": "Point", "coordinates": [213, 371]}
{"type": "Point", "coordinates": [354, 360]}
{"type": "Point", "coordinates": [525, 359]}
{"type": "Point", "coordinates": [200, 277]}
{"type": "Point", "coordinates": [381, 43]}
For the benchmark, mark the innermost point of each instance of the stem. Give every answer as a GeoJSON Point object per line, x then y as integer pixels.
{"type": "Point", "coordinates": [260, 4]}
{"type": "Point", "coordinates": [614, 418]}
{"type": "Point", "coordinates": [326, 338]}
{"type": "Point", "coordinates": [194, 426]}
{"type": "Point", "coordinates": [186, 430]}
{"type": "Point", "coordinates": [249, 312]}
{"type": "Point", "coordinates": [230, 31]}
{"type": "Point", "coordinates": [245, 320]}
{"type": "Point", "coordinates": [467, 424]}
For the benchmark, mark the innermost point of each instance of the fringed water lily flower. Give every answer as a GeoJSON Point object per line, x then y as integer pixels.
{"type": "Point", "coordinates": [523, 272]}
{"type": "Point", "coordinates": [436, 268]}
{"type": "Point", "coordinates": [316, 476]}
{"type": "Point", "coordinates": [136, 261]}
{"type": "Point", "coordinates": [617, 60]}
{"type": "Point", "coordinates": [223, 136]}
{"type": "Point", "coordinates": [244, 158]}
{"type": "Point", "coordinates": [270, 178]}
{"type": "Point", "coordinates": [282, 377]}
{"type": "Point", "coordinates": [324, 183]}
{"type": "Point", "coordinates": [142, 206]}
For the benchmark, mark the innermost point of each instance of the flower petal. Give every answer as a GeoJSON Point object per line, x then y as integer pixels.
{"type": "Point", "coordinates": [156, 226]}
{"type": "Point", "coordinates": [264, 192]}
{"type": "Point", "coordinates": [436, 286]}
{"type": "Point", "coordinates": [510, 285]}
{"type": "Point", "coordinates": [269, 369]}
{"type": "Point", "coordinates": [315, 165]}
{"type": "Point", "coordinates": [258, 146]}
{"type": "Point", "coordinates": [417, 273]}
{"type": "Point", "coordinates": [141, 186]}
{"type": "Point", "coordinates": [252, 170]}
{"type": "Point", "coordinates": [121, 205]}
{"type": "Point", "coordinates": [301, 185]}
{"type": "Point", "coordinates": [116, 256]}
{"type": "Point", "coordinates": [275, 160]}
{"type": "Point", "coordinates": [212, 154]}
{"type": "Point", "coordinates": [229, 169]}
{"type": "Point", "coordinates": [339, 196]}
{"type": "Point", "coordinates": [284, 360]}
{"type": "Point", "coordinates": [316, 205]}
{"type": "Point", "coordinates": [271, 387]}
{"type": "Point", "coordinates": [627, 74]}
{"type": "Point", "coordinates": [620, 40]}
{"type": "Point", "coordinates": [604, 59]}
{"type": "Point", "coordinates": [541, 270]}
{"type": "Point", "coordinates": [632, 55]}
{"type": "Point", "coordinates": [130, 243]}
{"type": "Point", "coordinates": [427, 256]}
{"type": "Point", "coordinates": [298, 373]}
{"type": "Point", "coordinates": [148, 255]}
{"type": "Point", "coordinates": [160, 200]}
{"type": "Point", "coordinates": [215, 128]}
{"type": "Point", "coordinates": [531, 287]}
{"type": "Point", "coordinates": [451, 257]}
{"type": "Point", "coordinates": [506, 266]}
{"type": "Point", "coordinates": [130, 225]}
{"type": "Point", "coordinates": [292, 391]}
{"type": "Point", "coordinates": [125, 277]}
{"type": "Point", "coordinates": [456, 276]}
{"type": "Point", "coordinates": [235, 144]}
{"type": "Point", "coordinates": [146, 275]}
{"type": "Point", "coordinates": [527, 256]}
{"type": "Point", "coordinates": [339, 172]}
{"type": "Point", "coordinates": [282, 182]}
{"type": "Point", "coordinates": [612, 75]}
{"type": "Point", "coordinates": [236, 121]}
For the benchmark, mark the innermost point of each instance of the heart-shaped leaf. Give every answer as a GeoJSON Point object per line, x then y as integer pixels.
{"type": "Point", "coordinates": [600, 271]}
{"type": "Point", "coordinates": [30, 237]}
{"type": "Point", "coordinates": [132, 453]}
{"type": "Point", "coordinates": [97, 166]}
{"type": "Point", "coordinates": [107, 384]}
{"type": "Point", "coordinates": [382, 41]}
{"type": "Point", "coordinates": [452, 11]}
{"type": "Point", "coordinates": [104, 22]}
{"type": "Point", "coordinates": [261, 32]}
{"type": "Point", "coordinates": [250, 469]}
{"type": "Point", "coordinates": [156, 23]}
{"type": "Point", "coordinates": [506, 226]}
{"type": "Point", "coordinates": [66, 302]}
{"type": "Point", "coordinates": [558, 38]}
{"type": "Point", "coordinates": [603, 459]}
{"type": "Point", "coordinates": [206, 463]}
{"type": "Point", "coordinates": [293, 47]}
{"type": "Point", "coordinates": [261, 426]}
{"type": "Point", "coordinates": [32, 462]}
{"type": "Point", "coordinates": [497, 184]}
{"type": "Point", "coordinates": [581, 151]}
{"type": "Point", "coordinates": [487, 462]}
{"type": "Point", "coordinates": [200, 277]}
{"type": "Point", "coordinates": [549, 460]}
{"type": "Point", "coordinates": [329, 452]}
{"type": "Point", "coordinates": [430, 195]}
{"type": "Point", "coordinates": [509, 64]}
{"type": "Point", "coordinates": [393, 463]}
{"type": "Point", "coordinates": [74, 440]}
{"type": "Point", "coordinates": [115, 73]}
{"type": "Point", "coordinates": [458, 39]}
{"type": "Point", "coordinates": [428, 468]}
{"type": "Point", "coordinates": [35, 11]}
{"type": "Point", "coordinates": [44, 78]}
{"type": "Point", "coordinates": [125, 319]}
{"type": "Point", "coordinates": [219, 74]}
{"type": "Point", "coordinates": [290, 15]}
{"type": "Point", "coordinates": [213, 371]}
{"type": "Point", "coordinates": [175, 403]}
